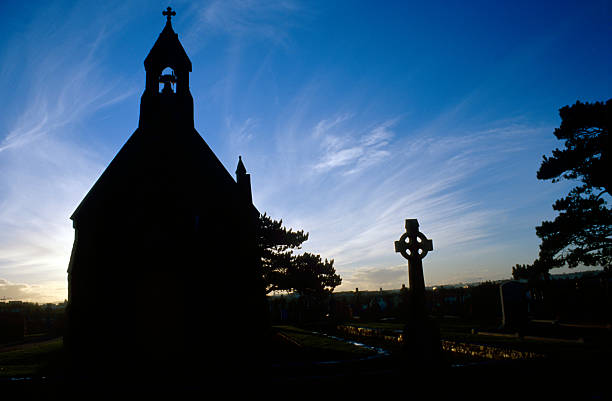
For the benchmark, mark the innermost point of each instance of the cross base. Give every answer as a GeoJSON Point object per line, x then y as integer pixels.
{"type": "Point", "coordinates": [421, 343]}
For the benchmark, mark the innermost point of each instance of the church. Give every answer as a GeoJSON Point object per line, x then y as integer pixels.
{"type": "Point", "coordinates": [164, 266]}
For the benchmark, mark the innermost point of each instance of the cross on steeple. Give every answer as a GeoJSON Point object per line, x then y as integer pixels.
{"type": "Point", "coordinates": [169, 13]}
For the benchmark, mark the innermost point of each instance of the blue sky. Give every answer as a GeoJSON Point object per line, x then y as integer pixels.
{"type": "Point", "coordinates": [350, 116]}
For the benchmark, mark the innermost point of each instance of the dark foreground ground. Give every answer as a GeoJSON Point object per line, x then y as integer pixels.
{"type": "Point", "coordinates": [303, 369]}
{"type": "Point", "coordinates": [384, 377]}
{"type": "Point", "coordinates": [557, 377]}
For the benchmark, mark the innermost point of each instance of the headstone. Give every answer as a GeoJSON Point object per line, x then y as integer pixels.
{"type": "Point", "coordinates": [513, 305]}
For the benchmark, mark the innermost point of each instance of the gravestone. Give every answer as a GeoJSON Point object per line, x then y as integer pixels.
{"type": "Point", "coordinates": [513, 305]}
{"type": "Point", "coordinates": [421, 334]}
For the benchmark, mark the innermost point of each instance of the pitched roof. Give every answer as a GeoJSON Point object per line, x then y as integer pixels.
{"type": "Point", "coordinates": [167, 52]}
{"type": "Point", "coordinates": [181, 166]}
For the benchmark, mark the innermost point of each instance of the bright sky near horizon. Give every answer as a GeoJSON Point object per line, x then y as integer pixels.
{"type": "Point", "coordinates": [350, 116]}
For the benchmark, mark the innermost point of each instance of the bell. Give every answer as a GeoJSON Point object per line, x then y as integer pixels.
{"type": "Point", "coordinates": [167, 88]}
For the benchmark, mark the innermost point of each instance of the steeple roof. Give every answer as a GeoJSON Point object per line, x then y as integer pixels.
{"type": "Point", "coordinates": [165, 157]}
{"type": "Point", "coordinates": [240, 169]}
{"type": "Point", "coordinates": [167, 50]}
{"type": "Point", "coordinates": [165, 165]}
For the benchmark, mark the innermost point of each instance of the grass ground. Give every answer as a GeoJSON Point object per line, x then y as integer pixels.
{"type": "Point", "coordinates": [30, 358]}
{"type": "Point", "coordinates": [39, 358]}
{"type": "Point", "coordinates": [42, 356]}
{"type": "Point", "coordinates": [559, 343]}
{"type": "Point", "coordinates": [322, 344]}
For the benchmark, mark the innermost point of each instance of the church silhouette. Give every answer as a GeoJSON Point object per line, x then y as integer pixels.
{"type": "Point", "coordinates": [163, 277]}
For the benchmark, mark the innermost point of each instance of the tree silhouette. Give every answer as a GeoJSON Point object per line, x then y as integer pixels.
{"type": "Point", "coordinates": [521, 271]}
{"type": "Point", "coordinates": [284, 271]}
{"type": "Point", "coordinates": [580, 234]}
{"type": "Point", "coordinates": [311, 275]}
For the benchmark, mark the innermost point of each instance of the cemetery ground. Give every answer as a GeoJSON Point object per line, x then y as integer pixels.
{"type": "Point", "coordinates": [548, 360]}
{"type": "Point", "coordinates": [34, 357]}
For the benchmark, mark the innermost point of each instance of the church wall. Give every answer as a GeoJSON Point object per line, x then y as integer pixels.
{"type": "Point", "coordinates": [167, 257]}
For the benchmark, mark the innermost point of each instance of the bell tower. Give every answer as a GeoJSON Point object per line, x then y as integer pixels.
{"type": "Point", "coordinates": [167, 100]}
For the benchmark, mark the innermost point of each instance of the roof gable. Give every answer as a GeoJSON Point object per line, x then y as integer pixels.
{"type": "Point", "coordinates": [190, 169]}
{"type": "Point", "coordinates": [167, 52]}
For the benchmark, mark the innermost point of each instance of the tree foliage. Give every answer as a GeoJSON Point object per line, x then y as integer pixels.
{"type": "Point", "coordinates": [581, 233]}
{"type": "Point", "coordinates": [284, 271]}
{"type": "Point", "coordinates": [312, 275]}
{"type": "Point", "coordinates": [533, 273]}
{"type": "Point", "coordinates": [521, 271]}
{"type": "Point", "coordinates": [585, 128]}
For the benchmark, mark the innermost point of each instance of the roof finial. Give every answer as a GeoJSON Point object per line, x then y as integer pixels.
{"type": "Point", "coordinates": [169, 13]}
{"type": "Point", "coordinates": [240, 169]}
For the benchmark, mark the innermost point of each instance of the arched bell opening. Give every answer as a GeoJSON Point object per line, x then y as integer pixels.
{"type": "Point", "coordinates": [167, 81]}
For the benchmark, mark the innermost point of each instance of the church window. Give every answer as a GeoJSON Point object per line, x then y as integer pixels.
{"type": "Point", "coordinates": [167, 81]}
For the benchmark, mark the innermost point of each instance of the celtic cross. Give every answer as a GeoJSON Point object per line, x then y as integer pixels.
{"type": "Point", "coordinates": [414, 245]}
{"type": "Point", "coordinates": [169, 13]}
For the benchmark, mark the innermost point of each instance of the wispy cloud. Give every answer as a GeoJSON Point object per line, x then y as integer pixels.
{"type": "Point", "coordinates": [65, 83]}
{"type": "Point", "coordinates": [366, 278]}
{"type": "Point", "coordinates": [349, 152]}
{"type": "Point", "coordinates": [40, 186]}
{"type": "Point", "coordinates": [48, 292]}
{"type": "Point", "coordinates": [240, 134]}
{"type": "Point", "coordinates": [324, 126]}
{"type": "Point", "coordinates": [45, 172]}
{"type": "Point", "coordinates": [243, 19]}
{"type": "Point", "coordinates": [352, 188]}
